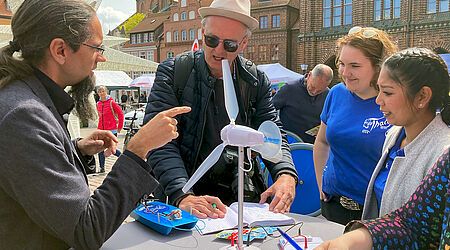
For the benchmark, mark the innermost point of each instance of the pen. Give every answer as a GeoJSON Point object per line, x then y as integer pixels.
{"type": "Point", "coordinates": [289, 239]}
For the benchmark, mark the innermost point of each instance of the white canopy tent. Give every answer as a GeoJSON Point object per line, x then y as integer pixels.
{"type": "Point", "coordinates": [112, 78]}
{"type": "Point", "coordinates": [278, 74]}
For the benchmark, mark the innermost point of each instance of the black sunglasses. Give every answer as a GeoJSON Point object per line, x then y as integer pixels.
{"type": "Point", "coordinates": [100, 49]}
{"type": "Point", "coordinates": [228, 45]}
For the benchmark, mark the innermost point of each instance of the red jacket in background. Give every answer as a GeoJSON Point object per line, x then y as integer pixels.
{"type": "Point", "coordinates": [106, 120]}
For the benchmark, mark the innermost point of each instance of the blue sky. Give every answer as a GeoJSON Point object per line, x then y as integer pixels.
{"type": "Point", "coordinates": [113, 12]}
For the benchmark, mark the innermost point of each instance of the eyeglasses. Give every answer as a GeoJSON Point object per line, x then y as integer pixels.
{"type": "Point", "coordinates": [367, 32]}
{"type": "Point", "coordinates": [100, 49]}
{"type": "Point", "coordinates": [228, 45]}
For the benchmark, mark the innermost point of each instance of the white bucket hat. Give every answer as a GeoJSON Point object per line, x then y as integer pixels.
{"type": "Point", "coordinates": [238, 10]}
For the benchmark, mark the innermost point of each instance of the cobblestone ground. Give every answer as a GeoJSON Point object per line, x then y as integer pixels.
{"type": "Point", "coordinates": [95, 180]}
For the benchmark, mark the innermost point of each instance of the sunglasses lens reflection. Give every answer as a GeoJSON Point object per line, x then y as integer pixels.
{"type": "Point", "coordinates": [228, 45]}
{"type": "Point", "coordinates": [212, 41]}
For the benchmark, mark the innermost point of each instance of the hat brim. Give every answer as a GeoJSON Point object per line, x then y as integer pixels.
{"type": "Point", "coordinates": [249, 21]}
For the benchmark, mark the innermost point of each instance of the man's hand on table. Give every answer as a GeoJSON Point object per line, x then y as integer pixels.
{"type": "Point", "coordinates": [202, 206]}
{"type": "Point", "coordinates": [283, 191]}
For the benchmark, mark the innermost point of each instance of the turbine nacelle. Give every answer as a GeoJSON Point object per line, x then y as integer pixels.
{"type": "Point", "coordinates": [237, 135]}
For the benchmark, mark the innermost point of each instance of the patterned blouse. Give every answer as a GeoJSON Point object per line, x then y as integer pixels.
{"type": "Point", "coordinates": [422, 222]}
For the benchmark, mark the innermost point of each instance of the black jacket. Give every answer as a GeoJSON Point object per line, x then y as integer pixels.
{"type": "Point", "coordinates": [175, 162]}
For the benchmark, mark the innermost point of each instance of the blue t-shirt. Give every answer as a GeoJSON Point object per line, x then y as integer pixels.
{"type": "Point", "coordinates": [355, 133]}
{"type": "Point", "coordinates": [380, 181]}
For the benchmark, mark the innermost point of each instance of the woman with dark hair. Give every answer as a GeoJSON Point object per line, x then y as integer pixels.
{"type": "Point", "coordinates": [348, 145]}
{"type": "Point", "coordinates": [421, 223]}
{"type": "Point", "coordinates": [414, 86]}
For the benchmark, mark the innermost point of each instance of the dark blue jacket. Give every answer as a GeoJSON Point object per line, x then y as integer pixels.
{"type": "Point", "coordinates": [175, 162]}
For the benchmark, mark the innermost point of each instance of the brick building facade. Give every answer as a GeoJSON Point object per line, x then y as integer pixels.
{"type": "Point", "coordinates": [5, 13]}
{"type": "Point", "coordinates": [296, 32]}
{"type": "Point", "coordinates": [410, 23]}
{"type": "Point", "coordinates": [275, 40]}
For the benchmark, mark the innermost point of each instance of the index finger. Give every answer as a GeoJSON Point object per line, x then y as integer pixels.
{"type": "Point", "coordinates": [177, 110]}
{"type": "Point", "coordinates": [108, 134]}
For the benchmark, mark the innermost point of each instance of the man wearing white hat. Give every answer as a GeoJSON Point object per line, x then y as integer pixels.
{"type": "Point", "coordinates": [226, 28]}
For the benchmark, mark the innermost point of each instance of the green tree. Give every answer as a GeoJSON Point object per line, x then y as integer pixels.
{"type": "Point", "coordinates": [132, 22]}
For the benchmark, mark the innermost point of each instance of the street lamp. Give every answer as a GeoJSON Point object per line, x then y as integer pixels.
{"type": "Point", "coordinates": [304, 67]}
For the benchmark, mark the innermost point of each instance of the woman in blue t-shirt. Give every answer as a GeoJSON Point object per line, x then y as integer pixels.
{"type": "Point", "coordinates": [350, 138]}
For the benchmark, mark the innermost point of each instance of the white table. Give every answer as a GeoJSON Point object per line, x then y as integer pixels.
{"type": "Point", "coordinates": [134, 235]}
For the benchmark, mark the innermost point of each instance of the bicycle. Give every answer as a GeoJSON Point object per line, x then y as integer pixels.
{"type": "Point", "coordinates": [131, 131]}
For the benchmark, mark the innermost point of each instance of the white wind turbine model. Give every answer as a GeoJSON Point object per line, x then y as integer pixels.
{"type": "Point", "coordinates": [266, 141]}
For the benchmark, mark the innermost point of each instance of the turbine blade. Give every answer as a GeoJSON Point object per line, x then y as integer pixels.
{"type": "Point", "coordinates": [231, 103]}
{"type": "Point", "coordinates": [204, 167]}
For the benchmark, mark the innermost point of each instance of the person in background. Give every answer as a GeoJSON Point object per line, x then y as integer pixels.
{"type": "Point", "coordinates": [421, 223]}
{"type": "Point", "coordinates": [351, 135]}
{"type": "Point", "coordinates": [110, 117]}
{"type": "Point", "coordinates": [45, 198]}
{"type": "Point", "coordinates": [142, 98]}
{"type": "Point", "coordinates": [414, 84]}
{"type": "Point", "coordinates": [123, 100]}
{"type": "Point", "coordinates": [301, 103]}
{"type": "Point", "coordinates": [226, 28]}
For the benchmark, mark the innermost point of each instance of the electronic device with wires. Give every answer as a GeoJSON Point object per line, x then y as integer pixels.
{"type": "Point", "coordinates": [162, 217]}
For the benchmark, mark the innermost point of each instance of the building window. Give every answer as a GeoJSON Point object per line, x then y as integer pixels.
{"type": "Point", "coordinates": [191, 34]}
{"type": "Point", "coordinates": [262, 53]}
{"type": "Point", "coordinates": [347, 12]}
{"type": "Point", "coordinates": [199, 34]}
{"type": "Point", "coordinates": [169, 37]}
{"type": "Point", "coordinates": [151, 37]}
{"type": "Point", "coordinates": [434, 6]}
{"type": "Point", "coordinates": [145, 37]}
{"type": "Point", "coordinates": [183, 16]}
{"type": "Point", "coordinates": [276, 21]}
{"type": "Point", "coordinates": [170, 54]}
{"type": "Point", "coordinates": [183, 3]}
{"type": "Point", "coordinates": [337, 12]}
{"type": "Point", "coordinates": [151, 55]}
{"type": "Point", "coordinates": [443, 6]}
{"type": "Point", "coordinates": [251, 52]}
{"type": "Point", "coordinates": [7, 6]}
{"type": "Point", "coordinates": [133, 39]}
{"type": "Point", "coordinates": [183, 35]}
{"type": "Point", "coordinates": [386, 9]}
{"type": "Point", "coordinates": [275, 50]}
{"type": "Point", "coordinates": [263, 22]}
{"type": "Point", "coordinates": [175, 36]}
{"type": "Point", "coordinates": [134, 54]}
{"type": "Point", "coordinates": [191, 14]}
{"type": "Point", "coordinates": [142, 54]}
{"type": "Point", "coordinates": [134, 74]}
{"type": "Point", "coordinates": [396, 8]}
{"type": "Point", "coordinates": [175, 17]}
{"type": "Point", "coordinates": [138, 38]}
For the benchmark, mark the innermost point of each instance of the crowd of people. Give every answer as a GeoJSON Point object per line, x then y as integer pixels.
{"type": "Point", "coordinates": [381, 152]}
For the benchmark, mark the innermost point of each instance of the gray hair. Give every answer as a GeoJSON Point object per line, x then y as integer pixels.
{"type": "Point", "coordinates": [34, 26]}
{"type": "Point", "coordinates": [248, 32]}
{"type": "Point", "coordinates": [322, 70]}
